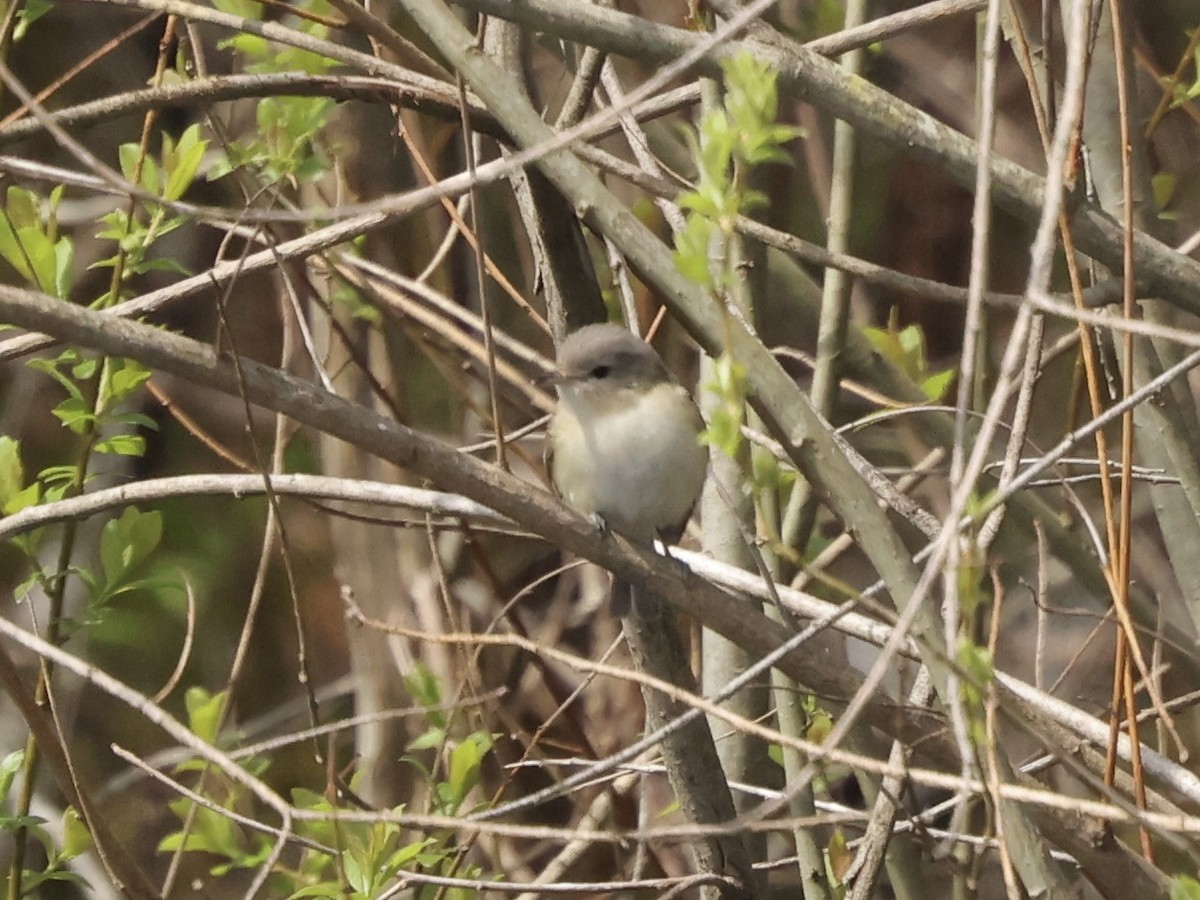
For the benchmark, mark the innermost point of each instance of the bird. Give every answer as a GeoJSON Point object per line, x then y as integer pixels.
{"type": "Point", "coordinates": [622, 445]}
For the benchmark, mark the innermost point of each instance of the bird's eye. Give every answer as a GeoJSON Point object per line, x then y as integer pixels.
{"type": "Point", "coordinates": [599, 372]}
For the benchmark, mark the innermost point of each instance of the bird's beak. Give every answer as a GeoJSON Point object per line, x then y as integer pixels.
{"type": "Point", "coordinates": [549, 379]}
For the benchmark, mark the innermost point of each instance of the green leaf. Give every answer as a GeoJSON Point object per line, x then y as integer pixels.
{"type": "Point", "coordinates": [424, 686]}
{"type": "Point", "coordinates": [42, 256]}
{"type": "Point", "coordinates": [156, 584]}
{"type": "Point", "coordinates": [85, 368]}
{"type": "Point", "coordinates": [77, 839]}
{"type": "Point", "coordinates": [75, 414]}
{"type": "Point", "coordinates": [23, 207]}
{"type": "Point", "coordinates": [10, 249]}
{"type": "Point", "coordinates": [160, 264]}
{"type": "Point", "coordinates": [14, 823]}
{"type": "Point", "coordinates": [904, 348]}
{"type": "Point", "coordinates": [934, 386]}
{"type": "Point", "coordinates": [976, 661]}
{"type": "Point", "coordinates": [838, 857]}
{"type": "Point", "coordinates": [128, 156]}
{"type": "Point", "coordinates": [432, 737]}
{"type": "Point", "coordinates": [53, 368]}
{"type": "Point", "coordinates": [820, 723]}
{"type": "Point", "coordinates": [12, 472]}
{"type": "Point", "coordinates": [185, 162]}
{"type": "Point", "coordinates": [122, 445]}
{"type": "Point", "coordinates": [245, 9]}
{"type": "Point", "coordinates": [29, 241]}
{"type": "Point", "coordinates": [1163, 185]}
{"type": "Point", "coordinates": [724, 430]}
{"type": "Point", "coordinates": [22, 499]}
{"type": "Point", "coordinates": [30, 11]}
{"type": "Point", "coordinates": [706, 203]}
{"type": "Point", "coordinates": [728, 382]}
{"type": "Point", "coordinates": [56, 475]}
{"type": "Point", "coordinates": [116, 224]}
{"type": "Point", "coordinates": [125, 377]}
{"type": "Point", "coordinates": [204, 712]}
{"type": "Point", "coordinates": [1184, 887]}
{"type": "Point", "coordinates": [221, 167]}
{"type": "Point", "coordinates": [465, 762]}
{"type": "Point", "coordinates": [64, 267]}
{"type": "Point", "coordinates": [691, 250]}
{"type": "Point", "coordinates": [731, 137]}
{"type": "Point", "coordinates": [134, 242]}
{"type": "Point", "coordinates": [356, 877]}
{"type": "Point", "coordinates": [9, 767]}
{"type": "Point", "coordinates": [151, 175]}
{"type": "Point", "coordinates": [32, 880]}
{"type": "Point", "coordinates": [140, 420]}
{"type": "Point", "coordinates": [408, 853]}
{"type": "Point", "coordinates": [303, 798]}
{"type": "Point", "coordinates": [211, 832]}
{"type": "Point", "coordinates": [126, 541]}
{"type": "Point", "coordinates": [327, 889]}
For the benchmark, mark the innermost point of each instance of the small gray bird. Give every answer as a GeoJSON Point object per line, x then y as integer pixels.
{"type": "Point", "coordinates": [622, 443]}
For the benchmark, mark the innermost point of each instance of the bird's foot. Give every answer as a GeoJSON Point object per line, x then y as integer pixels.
{"type": "Point", "coordinates": [683, 567]}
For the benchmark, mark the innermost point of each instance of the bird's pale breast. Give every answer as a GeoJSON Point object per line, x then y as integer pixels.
{"type": "Point", "coordinates": [636, 463]}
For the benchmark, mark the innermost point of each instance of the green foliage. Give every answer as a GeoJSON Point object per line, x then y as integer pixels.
{"type": "Point", "coordinates": [768, 473]}
{"type": "Point", "coordinates": [728, 382]}
{"type": "Point", "coordinates": [204, 712]}
{"type": "Point", "coordinates": [75, 842]}
{"type": "Point", "coordinates": [116, 380]}
{"type": "Point", "coordinates": [263, 57]}
{"type": "Point", "coordinates": [30, 243]}
{"type": "Point", "coordinates": [341, 857]}
{"type": "Point", "coordinates": [904, 348]}
{"type": "Point", "coordinates": [70, 370]}
{"type": "Point", "coordinates": [104, 426]}
{"type": "Point", "coordinates": [373, 854]}
{"type": "Point", "coordinates": [817, 724]}
{"type": "Point", "coordinates": [9, 767]}
{"type": "Point", "coordinates": [125, 544]}
{"type": "Point", "coordinates": [838, 859]}
{"type": "Point", "coordinates": [57, 481]}
{"type": "Point", "coordinates": [15, 494]}
{"type": "Point", "coordinates": [422, 685]}
{"type": "Point", "coordinates": [821, 17]}
{"type": "Point", "coordinates": [127, 540]}
{"type": "Point", "coordinates": [1184, 887]}
{"type": "Point", "coordinates": [286, 144]}
{"type": "Point", "coordinates": [1164, 187]}
{"type": "Point", "coordinates": [207, 829]}
{"type": "Point", "coordinates": [1181, 91]}
{"type": "Point", "coordinates": [970, 578]}
{"type": "Point", "coordinates": [217, 834]}
{"type": "Point", "coordinates": [28, 13]}
{"type": "Point", "coordinates": [168, 177]}
{"type": "Point", "coordinates": [818, 720]}
{"type": "Point", "coordinates": [96, 411]}
{"type": "Point", "coordinates": [978, 670]}
{"type": "Point", "coordinates": [462, 771]}
{"type": "Point", "coordinates": [751, 104]}
{"type": "Point", "coordinates": [462, 759]}
{"type": "Point", "coordinates": [344, 294]}
{"type": "Point", "coordinates": [733, 137]}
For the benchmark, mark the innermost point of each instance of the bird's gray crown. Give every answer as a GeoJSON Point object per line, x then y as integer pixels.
{"type": "Point", "coordinates": [603, 352]}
